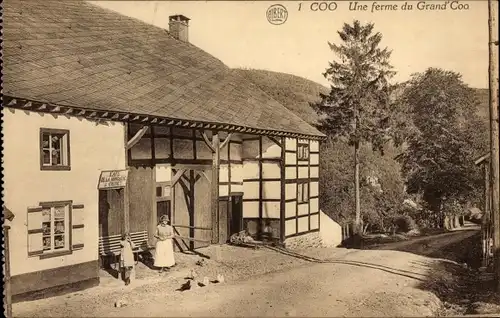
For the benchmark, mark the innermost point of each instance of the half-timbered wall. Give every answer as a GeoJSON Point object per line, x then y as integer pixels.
{"type": "Point", "coordinates": [302, 186]}
{"type": "Point", "coordinates": [231, 168]}
{"type": "Point", "coordinates": [158, 155]}
{"type": "Point", "coordinates": [261, 185]}
{"type": "Point", "coordinates": [280, 189]}
{"type": "Point", "coordinates": [178, 146]}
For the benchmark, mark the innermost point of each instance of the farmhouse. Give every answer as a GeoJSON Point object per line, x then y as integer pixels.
{"type": "Point", "coordinates": [110, 123]}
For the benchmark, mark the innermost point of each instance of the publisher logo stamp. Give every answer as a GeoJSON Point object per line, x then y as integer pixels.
{"type": "Point", "coordinates": [277, 14]}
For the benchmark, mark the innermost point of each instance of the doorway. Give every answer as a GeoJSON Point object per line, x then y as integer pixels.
{"type": "Point", "coordinates": [163, 208]}
{"type": "Point", "coordinates": [111, 204]}
{"type": "Point", "coordinates": [236, 215]}
{"type": "Point", "coordinates": [163, 202]}
{"type": "Point", "coordinates": [231, 213]}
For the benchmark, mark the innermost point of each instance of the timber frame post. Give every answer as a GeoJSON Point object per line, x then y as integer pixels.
{"type": "Point", "coordinates": [215, 146]}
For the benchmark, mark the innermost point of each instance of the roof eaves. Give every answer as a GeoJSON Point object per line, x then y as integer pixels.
{"type": "Point", "coordinates": [124, 116]}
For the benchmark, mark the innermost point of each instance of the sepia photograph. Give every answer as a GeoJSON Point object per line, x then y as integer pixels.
{"type": "Point", "coordinates": [250, 158]}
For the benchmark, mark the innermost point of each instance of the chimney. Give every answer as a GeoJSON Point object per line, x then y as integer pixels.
{"type": "Point", "coordinates": [178, 27]}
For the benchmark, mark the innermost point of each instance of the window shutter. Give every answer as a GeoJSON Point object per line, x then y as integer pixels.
{"type": "Point", "coordinates": [77, 225]}
{"type": "Point", "coordinates": [35, 231]}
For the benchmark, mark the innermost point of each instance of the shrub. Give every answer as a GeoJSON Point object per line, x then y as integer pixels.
{"type": "Point", "coordinates": [404, 223]}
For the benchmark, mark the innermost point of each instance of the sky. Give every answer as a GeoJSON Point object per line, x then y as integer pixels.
{"type": "Point", "coordinates": [238, 33]}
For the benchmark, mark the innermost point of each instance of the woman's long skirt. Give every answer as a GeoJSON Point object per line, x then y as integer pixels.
{"type": "Point", "coordinates": [164, 254]}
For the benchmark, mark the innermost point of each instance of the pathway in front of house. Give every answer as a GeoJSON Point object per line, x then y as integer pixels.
{"type": "Point", "coordinates": [350, 283]}
{"type": "Point", "coordinates": [267, 282]}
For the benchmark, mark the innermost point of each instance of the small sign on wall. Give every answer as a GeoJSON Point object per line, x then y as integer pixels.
{"type": "Point", "coordinates": [114, 179]}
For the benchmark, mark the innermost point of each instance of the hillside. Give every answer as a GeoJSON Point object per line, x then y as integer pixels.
{"type": "Point", "coordinates": [292, 91]}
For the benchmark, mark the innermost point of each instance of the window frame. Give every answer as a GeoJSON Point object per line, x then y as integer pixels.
{"type": "Point", "coordinates": [163, 185]}
{"type": "Point", "coordinates": [304, 186]}
{"type": "Point", "coordinates": [68, 204]}
{"type": "Point", "coordinates": [64, 167]}
{"type": "Point", "coordinates": [303, 151]}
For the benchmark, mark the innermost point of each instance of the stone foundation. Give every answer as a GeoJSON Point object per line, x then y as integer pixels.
{"type": "Point", "coordinates": [304, 241]}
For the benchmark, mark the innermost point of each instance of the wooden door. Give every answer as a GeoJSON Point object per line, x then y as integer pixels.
{"type": "Point", "coordinates": [111, 203]}
{"type": "Point", "coordinates": [142, 205]}
{"type": "Point", "coordinates": [236, 215]}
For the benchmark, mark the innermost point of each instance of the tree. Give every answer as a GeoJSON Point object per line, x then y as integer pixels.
{"type": "Point", "coordinates": [382, 197]}
{"type": "Point", "coordinates": [439, 159]}
{"type": "Point", "coordinates": [358, 105]}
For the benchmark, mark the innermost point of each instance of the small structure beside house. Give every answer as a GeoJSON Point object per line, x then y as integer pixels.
{"type": "Point", "coordinates": [110, 123]}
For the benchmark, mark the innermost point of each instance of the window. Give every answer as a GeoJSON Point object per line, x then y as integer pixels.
{"type": "Point", "coordinates": [162, 191]}
{"type": "Point", "coordinates": [303, 152]}
{"type": "Point", "coordinates": [303, 192]}
{"type": "Point", "coordinates": [55, 227]}
{"type": "Point", "coordinates": [54, 149]}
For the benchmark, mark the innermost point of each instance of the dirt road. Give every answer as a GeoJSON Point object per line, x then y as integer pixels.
{"type": "Point", "coordinates": [345, 283]}
{"type": "Point", "coordinates": [429, 245]}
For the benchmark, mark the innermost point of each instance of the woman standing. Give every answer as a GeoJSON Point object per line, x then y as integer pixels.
{"type": "Point", "coordinates": [164, 253]}
{"type": "Point", "coordinates": [126, 257]}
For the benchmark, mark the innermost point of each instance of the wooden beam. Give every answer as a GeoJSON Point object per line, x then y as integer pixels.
{"type": "Point", "coordinates": [93, 114]}
{"type": "Point", "coordinates": [138, 135]}
{"type": "Point", "coordinates": [192, 227]}
{"type": "Point", "coordinates": [56, 109]}
{"type": "Point", "coordinates": [126, 190]}
{"type": "Point", "coordinates": [482, 159]}
{"type": "Point", "coordinates": [42, 107]}
{"type": "Point", "coordinates": [190, 166]}
{"type": "Point", "coordinates": [115, 116]}
{"type": "Point", "coordinates": [69, 110]}
{"type": "Point", "coordinates": [12, 102]}
{"type": "Point", "coordinates": [224, 143]}
{"type": "Point", "coordinates": [275, 141]}
{"type": "Point", "coordinates": [106, 114]}
{"type": "Point", "coordinates": [494, 136]}
{"type": "Point", "coordinates": [215, 188]}
{"type": "Point", "coordinates": [127, 116]}
{"type": "Point", "coordinates": [81, 113]}
{"type": "Point", "coordinates": [163, 121]}
{"type": "Point", "coordinates": [177, 177]}
{"type": "Point", "coordinates": [154, 120]}
{"type": "Point", "coordinates": [207, 141]}
{"type": "Point", "coordinates": [136, 117]}
{"type": "Point", "coordinates": [145, 119]}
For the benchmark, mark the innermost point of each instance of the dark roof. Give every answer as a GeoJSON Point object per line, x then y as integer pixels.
{"type": "Point", "coordinates": [73, 53]}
